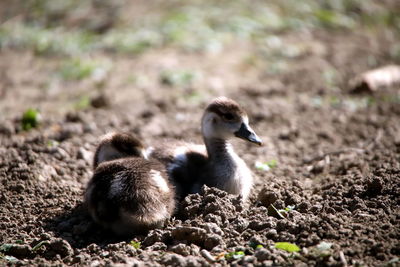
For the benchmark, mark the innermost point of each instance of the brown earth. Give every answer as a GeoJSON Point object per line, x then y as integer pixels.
{"type": "Point", "coordinates": [337, 154]}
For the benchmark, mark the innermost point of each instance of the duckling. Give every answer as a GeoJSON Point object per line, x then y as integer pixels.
{"type": "Point", "coordinates": [216, 164]}
{"type": "Point", "coordinates": [128, 193]}
{"type": "Point", "coordinates": [116, 145]}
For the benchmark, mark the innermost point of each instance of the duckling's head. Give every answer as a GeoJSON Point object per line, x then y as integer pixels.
{"type": "Point", "coordinates": [117, 145]}
{"type": "Point", "coordinates": [224, 118]}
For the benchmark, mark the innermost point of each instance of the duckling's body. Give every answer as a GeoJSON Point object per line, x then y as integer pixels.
{"type": "Point", "coordinates": [117, 145]}
{"type": "Point", "coordinates": [129, 194]}
{"type": "Point", "coordinates": [183, 162]}
{"type": "Point", "coordinates": [216, 164]}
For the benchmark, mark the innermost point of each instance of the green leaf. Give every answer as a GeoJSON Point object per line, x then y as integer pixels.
{"type": "Point", "coordinates": [272, 163]}
{"type": "Point", "coordinates": [255, 245]}
{"type": "Point", "coordinates": [39, 245]}
{"type": "Point", "coordinates": [178, 78]}
{"type": "Point", "coordinates": [52, 143]}
{"type": "Point", "coordinates": [272, 211]}
{"type": "Point", "coordinates": [135, 244]}
{"type": "Point", "coordinates": [6, 247]}
{"type": "Point", "coordinates": [287, 209]}
{"type": "Point", "coordinates": [30, 119]}
{"type": "Point", "coordinates": [289, 247]}
{"type": "Point", "coordinates": [82, 103]}
{"type": "Point", "coordinates": [262, 166]}
{"type": "Point", "coordinates": [234, 255]}
{"type": "Point", "coordinates": [266, 166]}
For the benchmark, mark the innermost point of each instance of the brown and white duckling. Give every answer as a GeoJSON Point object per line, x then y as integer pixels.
{"type": "Point", "coordinates": [117, 145]}
{"type": "Point", "coordinates": [128, 194]}
{"type": "Point", "coordinates": [216, 164]}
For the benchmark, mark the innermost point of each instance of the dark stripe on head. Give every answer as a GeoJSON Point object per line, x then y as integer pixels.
{"type": "Point", "coordinates": [224, 105]}
{"type": "Point", "coordinates": [124, 141]}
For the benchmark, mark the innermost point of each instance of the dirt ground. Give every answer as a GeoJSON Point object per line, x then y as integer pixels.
{"type": "Point", "coordinates": [333, 155]}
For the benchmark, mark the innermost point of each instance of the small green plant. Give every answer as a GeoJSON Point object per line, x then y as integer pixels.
{"type": "Point", "coordinates": [78, 69]}
{"type": "Point", "coordinates": [82, 103]}
{"type": "Point", "coordinates": [135, 244]}
{"type": "Point", "coordinates": [8, 258]}
{"type": "Point", "coordinates": [52, 143]}
{"type": "Point", "coordinates": [177, 78]}
{"type": "Point", "coordinates": [30, 119]}
{"type": "Point", "coordinates": [286, 246]}
{"type": "Point", "coordinates": [39, 245]}
{"type": "Point", "coordinates": [234, 255]}
{"type": "Point", "coordinates": [255, 245]}
{"type": "Point", "coordinates": [266, 166]}
{"type": "Point", "coordinates": [287, 209]}
{"type": "Point", "coordinates": [272, 163]}
{"type": "Point", "coordinates": [6, 247]}
{"type": "Point", "coordinates": [272, 211]}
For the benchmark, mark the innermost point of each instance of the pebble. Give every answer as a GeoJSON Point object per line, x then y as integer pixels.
{"type": "Point", "coordinates": [61, 247]}
{"type": "Point", "coordinates": [262, 254]}
{"type": "Point", "coordinates": [181, 249]}
{"type": "Point", "coordinates": [267, 197]}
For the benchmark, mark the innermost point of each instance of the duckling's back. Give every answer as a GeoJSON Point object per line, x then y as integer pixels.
{"type": "Point", "coordinates": [130, 195]}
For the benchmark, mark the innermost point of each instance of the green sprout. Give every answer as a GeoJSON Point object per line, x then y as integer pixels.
{"type": "Point", "coordinates": [10, 259]}
{"type": "Point", "coordinates": [6, 247]}
{"type": "Point", "coordinates": [234, 255]}
{"type": "Point", "coordinates": [82, 103]}
{"type": "Point", "coordinates": [287, 209]}
{"type": "Point", "coordinates": [79, 69]}
{"type": "Point", "coordinates": [266, 166]}
{"type": "Point", "coordinates": [286, 246]}
{"type": "Point", "coordinates": [177, 78]}
{"type": "Point", "coordinates": [254, 245]}
{"type": "Point", "coordinates": [135, 244]}
{"type": "Point", "coordinates": [272, 211]}
{"type": "Point", "coordinates": [39, 245]}
{"type": "Point", "coordinates": [52, 143]}
{"type": "Point", "coordinates": [30, 119]}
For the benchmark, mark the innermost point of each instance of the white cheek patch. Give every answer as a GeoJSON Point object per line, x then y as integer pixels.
{"type": "Point", "coordinates": [159, 180]}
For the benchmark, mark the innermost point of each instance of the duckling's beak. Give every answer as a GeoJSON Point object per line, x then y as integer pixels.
{"type": "Point", "coordinates": [246, 133]}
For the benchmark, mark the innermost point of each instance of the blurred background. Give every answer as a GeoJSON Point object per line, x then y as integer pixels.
{"type": "Point", "coordinates": [64, 55]}
{"type": "Point", "coordinates": [73, 70]}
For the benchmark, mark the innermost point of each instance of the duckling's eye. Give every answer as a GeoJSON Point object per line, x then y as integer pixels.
{"type": "Point", "coordinates": [228, 116]}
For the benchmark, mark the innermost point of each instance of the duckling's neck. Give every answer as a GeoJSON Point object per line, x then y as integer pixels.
{"type": "Point", "coordinates": [218, 149]}
{"type": "Point", "coordinates": [226, 170]}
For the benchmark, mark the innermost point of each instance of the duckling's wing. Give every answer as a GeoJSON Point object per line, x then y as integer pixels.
{"type": "Point", "coordinates": [184, 162]}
